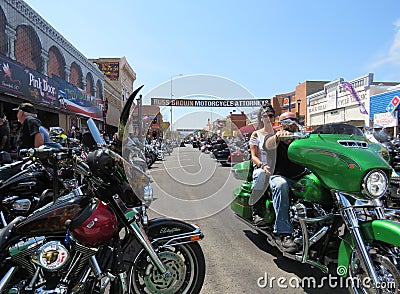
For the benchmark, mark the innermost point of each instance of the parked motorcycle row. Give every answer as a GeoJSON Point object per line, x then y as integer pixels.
{"type": "Point", "coordinates": [74, 220]}
{"type": "Point", "coordinates": [225, 153]}
{"type": "Point", "coordinates": [157, 150]}
{"type": "Point", "coordinates": [391, 148]}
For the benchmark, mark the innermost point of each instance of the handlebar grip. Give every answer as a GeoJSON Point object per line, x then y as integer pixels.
{"type": "Point", "coordinates": [296, 136]}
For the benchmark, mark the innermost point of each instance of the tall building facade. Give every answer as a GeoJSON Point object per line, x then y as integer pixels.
{"type": "Point", "coordinates": [38, 65]}
{"type": "Point", "coordinates": [119, 79]}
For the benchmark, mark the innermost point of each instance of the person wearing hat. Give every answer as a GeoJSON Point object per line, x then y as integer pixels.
{"type": "Point", "coordinates": [261, 168]}
{"type": "Point", "coordinates": [4, 133]}
{"type": "Point", "coordinates": [285, 175]}
{"type": "Point", "coordinates": [30, 135]}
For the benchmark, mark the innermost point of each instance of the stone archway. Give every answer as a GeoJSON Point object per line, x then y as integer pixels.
{"type": "Point", "coordinates": [28, 47]}
{"type": "Point", "coordinates": [56, 64]}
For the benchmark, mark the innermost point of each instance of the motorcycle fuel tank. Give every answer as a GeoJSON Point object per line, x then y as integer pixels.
{"type": "Point", "coordinates": [99, 226]}
{"type": "Point", "coordinates": [52, 218]}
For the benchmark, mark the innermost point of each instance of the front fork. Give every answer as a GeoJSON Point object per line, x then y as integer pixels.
{"type": "Point", "coordinates": [145, 242]}
{"type": "Point", "coordinates": [351, 221]}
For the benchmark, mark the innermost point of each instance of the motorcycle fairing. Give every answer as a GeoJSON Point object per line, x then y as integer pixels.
{"type": "Point", "coordinates": [386, 231]}
{"type": "Point", "coordinates": [334, 157]}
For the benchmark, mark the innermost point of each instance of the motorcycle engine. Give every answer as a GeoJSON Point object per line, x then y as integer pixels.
{"type": "Point", "coordinates": [51, 256]}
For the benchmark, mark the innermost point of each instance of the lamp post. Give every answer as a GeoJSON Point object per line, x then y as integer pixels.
{"type": "Point", "coordinates": [140, 123]}
{"type": "Point", "coordinates": [178, 75]}
{"type": "Point", "coordinates": [298, 109]}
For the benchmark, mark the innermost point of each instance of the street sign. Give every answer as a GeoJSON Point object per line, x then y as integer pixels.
{"type": "Point", "coordinates": [393, 104]}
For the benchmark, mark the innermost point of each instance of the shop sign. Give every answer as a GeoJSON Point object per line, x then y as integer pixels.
{"type": "Point", "coordinates": [384, 119]}
{"type": "Point", "coordinates": [21, 81]}
{"type": "Point", "coordinates": [394, 103]}
{"type": "Point", "coordinates": [317, 108]}
{"type": "Point", "coordinates": [110, 69]}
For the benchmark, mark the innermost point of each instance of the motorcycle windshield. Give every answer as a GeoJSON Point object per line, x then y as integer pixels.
{"type": "Point", "coordinates": [94, 131]}
{"type": "Point", "coordinates": [338, 129]}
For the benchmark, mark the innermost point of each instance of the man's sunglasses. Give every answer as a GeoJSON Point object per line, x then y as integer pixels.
{"type": "Point", "coordinates": [268, 115]}
{"type": "Point", "coordinates": [289, 121]}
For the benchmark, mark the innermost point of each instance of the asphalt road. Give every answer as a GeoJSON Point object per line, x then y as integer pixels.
{"type": "Point", "coordinates": [190, 185]}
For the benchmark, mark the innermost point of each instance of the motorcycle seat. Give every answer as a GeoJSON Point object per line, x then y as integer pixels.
{"type": "Point", "coordinates": [8, 230]}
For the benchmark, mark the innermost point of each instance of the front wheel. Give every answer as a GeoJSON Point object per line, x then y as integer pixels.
{"type": "Point", "coordinates": [387, 272]}
{"type": "Point", "coordinates": [185, 263]}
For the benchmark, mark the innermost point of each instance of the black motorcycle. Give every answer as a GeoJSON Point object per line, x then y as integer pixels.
{"type": "Point", "coordinates": [28, 184]}
{"type": "Point", "coordinates": [89, 240]}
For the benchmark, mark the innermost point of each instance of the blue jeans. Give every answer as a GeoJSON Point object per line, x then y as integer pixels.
{"type": "Point", "coordinates": [280, 187]}
{"type": "Point", "coordinates": [258, 188]}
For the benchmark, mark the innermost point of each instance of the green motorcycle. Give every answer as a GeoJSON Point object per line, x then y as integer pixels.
{"type": "Point", "coordinates": [337, 215]}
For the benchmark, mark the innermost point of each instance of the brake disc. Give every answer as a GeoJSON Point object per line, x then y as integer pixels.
{"type": "Point", "coordinates": [156, 283]}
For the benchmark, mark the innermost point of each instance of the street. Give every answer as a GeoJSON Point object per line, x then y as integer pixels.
{"type": "Point", "coordinates": [192, 186]}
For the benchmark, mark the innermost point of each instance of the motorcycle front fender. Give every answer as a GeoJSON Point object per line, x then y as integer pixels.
{"type": "Point", "coordinates": [162, 231]}
{"type": "Point", "coordinates": [386, 231]}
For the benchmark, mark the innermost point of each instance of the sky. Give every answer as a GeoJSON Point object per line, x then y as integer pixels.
{"type": "Point", "coordinates": [267, 47]}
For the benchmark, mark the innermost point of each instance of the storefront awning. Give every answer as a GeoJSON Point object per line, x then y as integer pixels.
{"type": "Point", "coordinates": [247, 129]}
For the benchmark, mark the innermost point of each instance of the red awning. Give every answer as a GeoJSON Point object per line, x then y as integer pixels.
{"type": "Point", "coordinates": [247, 129]}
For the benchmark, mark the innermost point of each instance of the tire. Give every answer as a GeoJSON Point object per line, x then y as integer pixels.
{"type": "Point", "coordinates": [185, 262]}
{"type": "Point", "coordinates": [388, 274]}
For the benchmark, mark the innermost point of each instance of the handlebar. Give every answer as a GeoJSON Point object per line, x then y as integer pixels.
{"type": "Point", "coordinates": [46, 153]}
{"type": "Point", "coordinates": [297, 135]}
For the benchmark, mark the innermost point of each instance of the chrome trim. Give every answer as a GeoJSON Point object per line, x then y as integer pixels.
{"type": "Point", "coordinates": [353, 144]}
{"type": "Point", "coordinates": [7, 277]}
{"type": "Point", "coordinates": [352, 224]}
{"type": "Point", "coordinates": [147, 245]}
{"type": "Point", "coordinates": [173, 238]}
{"type": "Point", "coordinates": [364, 183]}
{"type": "Point", "coordinates": [33, 281]}
{"type": "Point", "coordinates": [3, 219]}
{"type": "Point", "coordinates": [308, 241]}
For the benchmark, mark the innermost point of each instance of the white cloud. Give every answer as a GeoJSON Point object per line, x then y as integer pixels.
{"type": "Point", "coordinates": [392, 57]}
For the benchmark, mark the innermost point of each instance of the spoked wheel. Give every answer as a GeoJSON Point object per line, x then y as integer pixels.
{"type": "Point", "coordinates": [185, 263]}
{"type": "Point", "coordinates": [388, 275]}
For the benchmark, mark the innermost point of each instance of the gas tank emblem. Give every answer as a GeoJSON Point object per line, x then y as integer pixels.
{"type": "Point", "coordinates": [91, 224]}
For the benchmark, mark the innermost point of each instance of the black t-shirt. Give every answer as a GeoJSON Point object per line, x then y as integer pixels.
{"type": "Point", "coordinates": [283, 165]}
{"type": "Point", "coordinates": [30, 127]}
{"type": "Point", "coordinates": [5, 131]}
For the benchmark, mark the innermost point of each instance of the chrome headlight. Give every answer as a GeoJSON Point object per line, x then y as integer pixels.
{"type": "Point", "coordinates": [148, 194]}
{"type": "Point", "coordinates": [375, 183]}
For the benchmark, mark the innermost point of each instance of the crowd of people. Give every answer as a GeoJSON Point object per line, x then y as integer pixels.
{"type": "Point", "coordinates": [30, 132]}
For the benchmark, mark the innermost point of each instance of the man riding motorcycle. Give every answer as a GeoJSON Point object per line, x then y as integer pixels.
{"type": "Point", "coordinates": [284, 177]}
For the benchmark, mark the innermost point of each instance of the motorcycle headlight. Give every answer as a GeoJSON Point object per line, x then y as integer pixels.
{"type": "Point", "coordinates": [375, 183]}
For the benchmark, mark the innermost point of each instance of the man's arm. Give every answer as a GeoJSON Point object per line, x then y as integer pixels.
{"type": "Point", "coordinates": [3, 142]}
{"type": "Point", "coordinates": [39, 140]}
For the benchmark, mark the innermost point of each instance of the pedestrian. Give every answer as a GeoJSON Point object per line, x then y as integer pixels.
{"type": "Point", "coordinates": [30, 135]}
{"type": "Point", "coordinates": [76, 134]}
{"type": "Point", "coordinates": [4, 133]}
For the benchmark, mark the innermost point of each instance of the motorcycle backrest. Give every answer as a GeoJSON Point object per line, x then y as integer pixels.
{"type": "Point", "coordinates": [5, 157]}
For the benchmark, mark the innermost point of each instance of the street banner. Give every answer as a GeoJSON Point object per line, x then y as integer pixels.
{"type": "Point", "coordinates": [209, 103]}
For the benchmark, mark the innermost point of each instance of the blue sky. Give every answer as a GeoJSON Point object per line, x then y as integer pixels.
{"type": "Point", "coordinates": [266, 46]}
